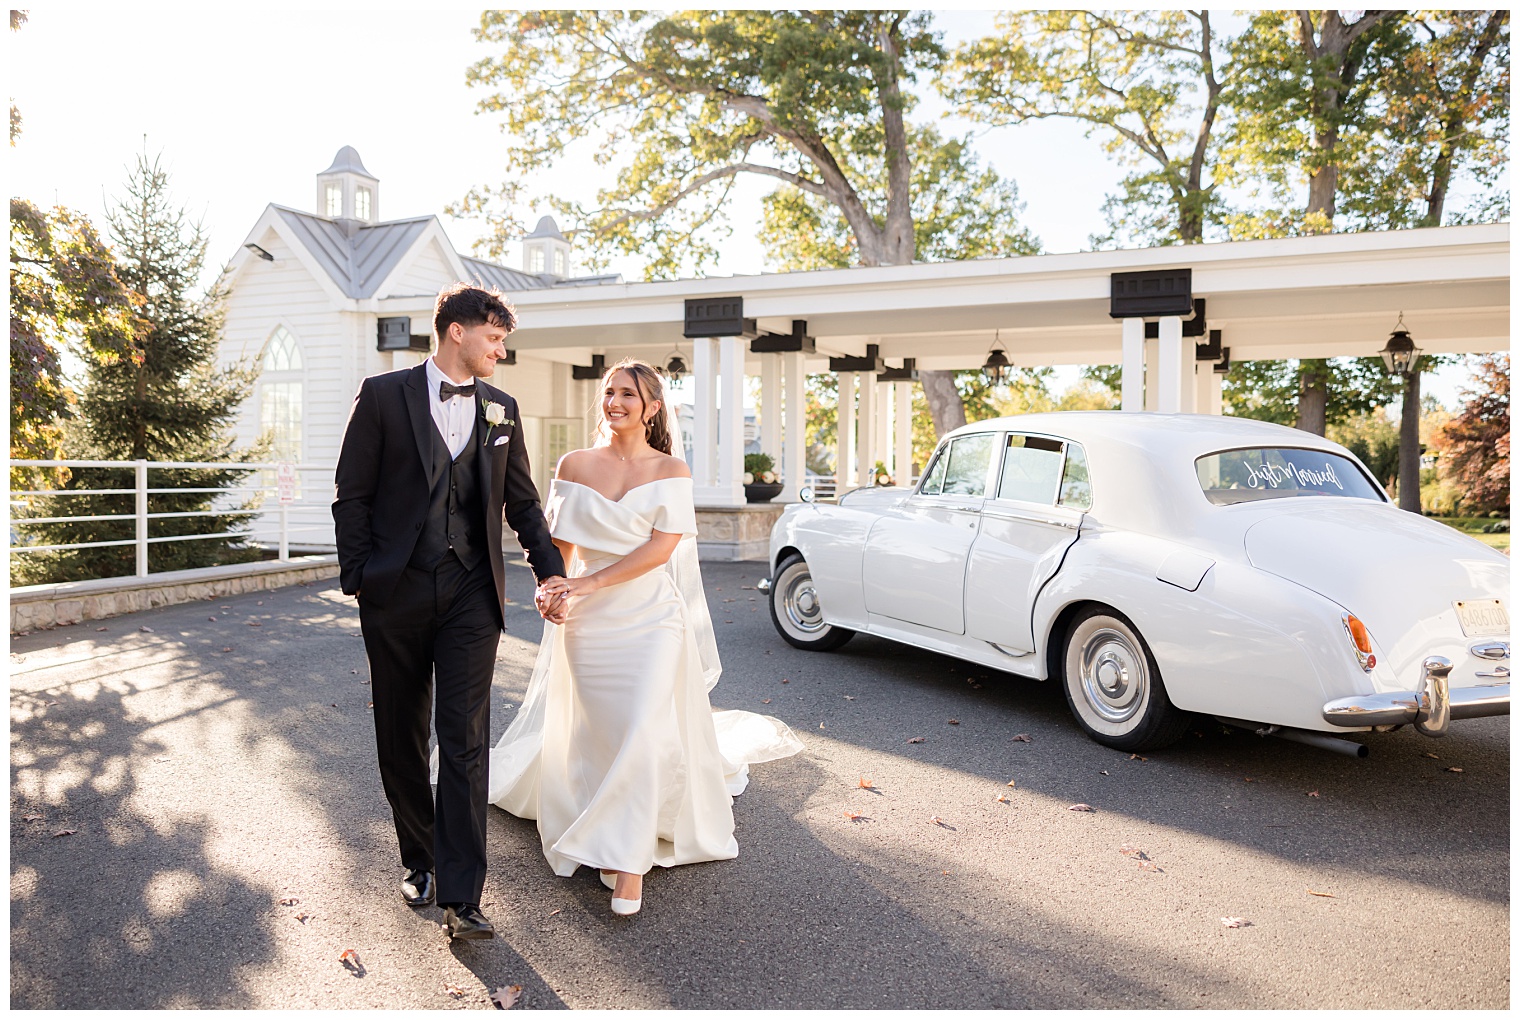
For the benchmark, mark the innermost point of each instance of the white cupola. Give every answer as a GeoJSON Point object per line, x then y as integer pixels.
{"type": "Point", "coordinates": [347, 191]}
{"type": "Point", "coordinates": [546, 252]}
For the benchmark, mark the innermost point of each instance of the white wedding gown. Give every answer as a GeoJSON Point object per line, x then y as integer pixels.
{"type": "Point", "coordinates": [616, 750]}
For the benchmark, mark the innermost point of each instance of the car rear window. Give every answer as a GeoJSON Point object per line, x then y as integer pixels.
{"type": "Point", "coordinates": [1240, 476]}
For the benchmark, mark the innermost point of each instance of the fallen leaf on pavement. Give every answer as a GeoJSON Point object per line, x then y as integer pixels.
{"type": "Point", "coordinates": [146, 629]}
{"type": "Point", "coordinates": [1003, 798]}
{"type": "Point", "coordinates": [99, 629]}
{"type": "Point", "coordinates": [303, 917]}
{"type": "Point", "coordinates": [506, 997]}
{"type": "Point", "coordinates": [350, 961]}
{"type": "Point", "coordinates": [937, 820]}
{"type": "Point", "coordinates": [227, 649]}
{"type": "Point", "coordinates": [553, 912]}
{"type": "Point", "coordinates": [1437, 757]}
{"type": "Point", "coordinates": [856, 816]}
{"type": "Point", "coordinates": [1149, 866]}
{"type": "Point", "coordinates": [454, 990]}
{"type": "Point", "coordinates": [915, 740]}
{"type": "Point", "coordinates": [254, 623]}
{"type": "Point", "coordinates": [1013, 782]}
{"type": "Point", "coordinates": [785, 681]}
{"type": "Point", "coordinates": [1022, 738]}
{"type": "Point", "coordinates": [1235, 922]}
{"type": "Point", "coordinates": [1312, 793]}
{"type": "Point", "coordinates": [820, 726]}
{"type": "Point", "coordinates": [289, 901]}
{"type": "Point", "coordinates": [64, 832]}
{"type": "Point", "coordinates": [955, 722]}
{"type": "Point", "coordinates": [1453, 768]}
{"type": "Point", "coordinates": [31, 818]}
{"type": "Point", "coordinates": [1136, 757]}
{"type": "Point", "coordinates": [1083, 807]}
{"type": "Point", "coordinates": [849, 697]}
{"type": "Point", "coordinates": [1327, 895]}
{"type": "Point", "coordinates": [765, 701]}
{"type": "Point", "coordinates": [866, 784]}
{"type": "Point", "coordinates": [1135, 852]}
{"type": "Point", "coordinates": [1103, 772]}
{"type": "Point", "coordinates": [211, 618]}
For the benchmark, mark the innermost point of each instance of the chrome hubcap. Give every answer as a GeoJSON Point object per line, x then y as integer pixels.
{"type": "Point", "coordinates": [799, 603]}
{"type": "Point", "coordinates": [1113, 675]}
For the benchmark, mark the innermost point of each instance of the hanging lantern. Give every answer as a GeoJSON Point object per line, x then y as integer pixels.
{"type": "Point", "coordinates": [997, 365]}
{"type": "Point", "coordinates": [675, 367]}
{"type": "Point", "coordinates": [1400, 355]}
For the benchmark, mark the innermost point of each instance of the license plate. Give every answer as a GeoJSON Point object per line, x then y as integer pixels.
{"type": "Point", "coordinates": [1482, 617]}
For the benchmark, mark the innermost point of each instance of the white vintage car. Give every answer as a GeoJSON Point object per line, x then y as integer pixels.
{"type": "Point", "coordinates": [1160, 565]}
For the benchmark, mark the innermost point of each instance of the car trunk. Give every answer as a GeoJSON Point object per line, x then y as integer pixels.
{"type": "Point", "coordinates": [1398, 572]}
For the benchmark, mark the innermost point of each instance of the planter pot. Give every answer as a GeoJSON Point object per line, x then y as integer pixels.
{"type": "Point", "coordinates": [761, 492]}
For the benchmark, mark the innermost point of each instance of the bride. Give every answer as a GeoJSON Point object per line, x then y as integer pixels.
{"type": "Point", "coordinates": [616, 750]}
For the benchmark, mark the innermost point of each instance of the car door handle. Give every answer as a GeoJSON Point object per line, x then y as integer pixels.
{"type": "Point", "coordinates": [967, 509]}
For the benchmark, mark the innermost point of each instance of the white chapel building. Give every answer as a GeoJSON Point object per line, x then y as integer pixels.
{"type": "Point", "coordinates": [322, 299]}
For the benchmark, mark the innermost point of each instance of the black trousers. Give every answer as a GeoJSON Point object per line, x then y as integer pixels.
{"type": "Point", "coordinates": [442, 625]}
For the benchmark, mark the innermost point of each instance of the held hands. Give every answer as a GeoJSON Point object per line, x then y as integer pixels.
{"type": "Point", "coordinates": [554, 594]}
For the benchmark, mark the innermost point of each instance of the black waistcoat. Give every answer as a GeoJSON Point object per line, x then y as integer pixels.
{"type": "Point", "coordinates": [455, 519]}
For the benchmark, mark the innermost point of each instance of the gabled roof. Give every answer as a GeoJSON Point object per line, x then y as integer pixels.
{"type": "Point", "coordinates": [357, 257]}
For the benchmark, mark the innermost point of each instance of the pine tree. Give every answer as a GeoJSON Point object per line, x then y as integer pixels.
{"type": "Point", "coordinates": [170, 401]}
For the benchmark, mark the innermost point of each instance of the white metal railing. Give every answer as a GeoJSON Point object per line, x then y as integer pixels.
{"type": "Point", "coordinates": [303, 493]}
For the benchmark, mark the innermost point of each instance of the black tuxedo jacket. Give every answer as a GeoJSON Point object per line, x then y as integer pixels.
{"type": "Point", "coordinates": [383, 484]}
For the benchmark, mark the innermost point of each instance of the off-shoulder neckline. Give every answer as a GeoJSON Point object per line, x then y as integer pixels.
{"type": "Point", "coordinates": [583, 485]}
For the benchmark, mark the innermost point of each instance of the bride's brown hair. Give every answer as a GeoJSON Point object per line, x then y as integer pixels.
{"type": "Point", "coordinates": [651, 388]}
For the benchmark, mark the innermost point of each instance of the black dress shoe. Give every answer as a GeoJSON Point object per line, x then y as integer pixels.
{"type": "Point", "coordinates": [417, 888]}
{"type": "Point", "coordinates": [467, 922]}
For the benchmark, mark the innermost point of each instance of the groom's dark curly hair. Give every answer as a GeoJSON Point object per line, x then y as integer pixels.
{"type": "Point", "coordinates": [472, 306]}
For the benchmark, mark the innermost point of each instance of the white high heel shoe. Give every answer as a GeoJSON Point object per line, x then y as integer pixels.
{"type": "Point", "coordinates": [609, 879]}
{"type": "Point", "coordinates": [626, 908]}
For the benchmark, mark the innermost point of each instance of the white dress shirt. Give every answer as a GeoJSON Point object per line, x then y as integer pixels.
{"type": "Point", "coordinates": [454, 417]}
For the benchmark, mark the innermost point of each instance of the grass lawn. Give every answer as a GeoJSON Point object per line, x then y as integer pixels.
{"type": "Point", "coordinates": [1473, 526]}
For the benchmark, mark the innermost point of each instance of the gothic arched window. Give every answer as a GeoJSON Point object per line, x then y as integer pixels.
{"type": "Point", "coordinates": [280, 396]}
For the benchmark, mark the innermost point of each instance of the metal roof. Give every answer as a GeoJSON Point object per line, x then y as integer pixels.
{"type": "Point", "coordinates": [347, 161]}
{"type": "Point", "coordinates": [489, 274]}
{"type": "Point", "coordinates": [546, 228]}
{"type": "Point", "coordinates": [357, 257]}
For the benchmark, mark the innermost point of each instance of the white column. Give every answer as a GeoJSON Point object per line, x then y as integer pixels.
{"type": "Point", "coordinates": [1170, 366]}
{"type": "Point", "coordinates": [902, 433]}
{"type": "Point", "coordinates": [1152, 374]}
{"type": "Point", "coordinates": [866, 431]}
{"type": "Point", "coordinates": [728, 486]}
{"type": "Point", "coordinates": [1132, 367]}
{"type": "Point", "coordinates": [883, 424]}
{"type": "Point", "coordinates": [770, 406]}
{"type": "Point", "coordinates": [794, 436]}
{"type": "Point", "coordinates": [1202, 372]}
{"type": "Point", "coordinates": [1189, 402]}
{"type": "Point", "coordinates": [704, 419]}
{"type": "Point", "coordinates": [1216, 392]}
{"type": "Point", "coordinates": [844, 460]}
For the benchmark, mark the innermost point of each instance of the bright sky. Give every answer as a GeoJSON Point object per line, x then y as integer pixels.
{"type": "Point", "coordinates": [247, 107]}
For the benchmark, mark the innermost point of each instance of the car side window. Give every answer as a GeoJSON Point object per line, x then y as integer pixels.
{"type": "Point", "coordinates": [933, 478]}
{"type": "Point", "coordinates": [969, 458]}
{"type": "Point", "coordinates": [1076, 484]}
{"type": "Point", "coordinates": [1031, 469]}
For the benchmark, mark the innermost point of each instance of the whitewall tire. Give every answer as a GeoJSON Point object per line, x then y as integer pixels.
{"type": "Point", "coordinates": [1113, 686]}
{"type": "Point", "coordinates": [797, 612]}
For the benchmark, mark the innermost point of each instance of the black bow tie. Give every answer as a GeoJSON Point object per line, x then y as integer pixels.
{"type": "Point", "coordinates": [448, 389]}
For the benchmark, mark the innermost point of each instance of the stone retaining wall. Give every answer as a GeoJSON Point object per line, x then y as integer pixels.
{"type": "Point", "coordinates": [736, 532]}
{"type": "Point", "coordinates": [38, 606]}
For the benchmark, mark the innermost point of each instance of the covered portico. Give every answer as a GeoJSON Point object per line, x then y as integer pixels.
{"type": "Point", "coordinates": [1172, 317]}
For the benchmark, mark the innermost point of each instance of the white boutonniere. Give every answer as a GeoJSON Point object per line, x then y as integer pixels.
{"type": "Point", "coordinates": [497, 415]}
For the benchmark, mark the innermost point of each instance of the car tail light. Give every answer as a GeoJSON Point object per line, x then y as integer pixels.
{"type": "Point", "coordinates": [1361, 641]}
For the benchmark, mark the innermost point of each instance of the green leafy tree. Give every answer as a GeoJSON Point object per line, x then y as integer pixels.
{"type": "Point", "coordinates": [1147, 82]}
{"type": "Point", "coordinates": [18, 18]}
{"type": "Point", "coordinates": [687, 103]}
{"type": "Point", "coordinates": [1304, 110]}
{"type": "Point", "coordinates": [170, 401]}
{"type": "Point", "coordinates": [65, 295]}
{"type": "Point", "coordinates": [1445, 89]}
{"type": "Point", "coordinates": [1275, 390]}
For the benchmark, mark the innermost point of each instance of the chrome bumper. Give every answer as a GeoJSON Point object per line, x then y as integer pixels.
{"type": "Point", "coordinates": [1430, 708]}
{"type": "Point", "coordinates": [763, 585]}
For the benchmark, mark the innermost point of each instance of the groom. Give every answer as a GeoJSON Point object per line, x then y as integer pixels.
{"type": "Point", "coordinates": [432, 461]}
